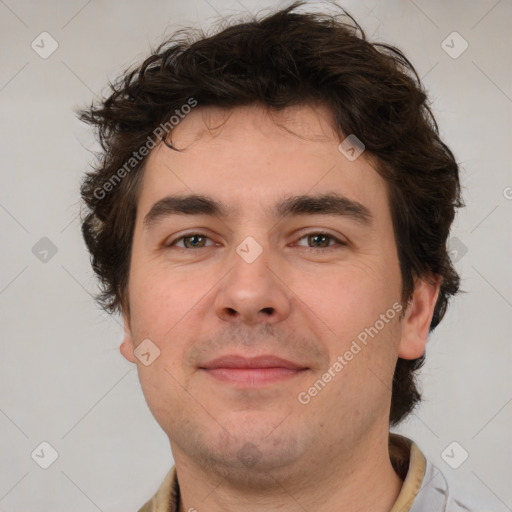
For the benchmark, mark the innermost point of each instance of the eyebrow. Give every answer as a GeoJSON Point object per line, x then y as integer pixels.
{"type": "Point", "coordinates": [323, 204]}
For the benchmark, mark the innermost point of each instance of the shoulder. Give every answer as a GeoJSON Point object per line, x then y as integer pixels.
{"type": "Point", "coordinates": [147, 507]}
{"type": "Point", "coordinates": [435, 495]}
{"type": "Point", "coordinates": [166, 499]}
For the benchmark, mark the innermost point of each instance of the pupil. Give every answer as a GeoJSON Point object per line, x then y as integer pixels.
{"type": "Point", "coordinates": [317, 237]}
{"type": "Point", "coordinates": [193, 240]}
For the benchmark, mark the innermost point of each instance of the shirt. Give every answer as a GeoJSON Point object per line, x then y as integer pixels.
{"type": "Point", "coordinates": [424, 487]}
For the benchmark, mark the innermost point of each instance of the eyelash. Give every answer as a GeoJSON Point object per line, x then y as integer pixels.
{"type": "Point", "coordinates": [309, 249]}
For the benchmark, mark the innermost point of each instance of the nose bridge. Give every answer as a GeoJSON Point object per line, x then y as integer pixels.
{"type": "Point", "coordinates": [250, 291]}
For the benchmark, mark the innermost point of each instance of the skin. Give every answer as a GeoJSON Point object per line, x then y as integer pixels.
{"type": "Point", "coordinates": [293, 301]}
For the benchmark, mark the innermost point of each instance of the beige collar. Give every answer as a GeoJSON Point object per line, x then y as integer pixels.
{"type": "Point", "coordinates": [406, 458]}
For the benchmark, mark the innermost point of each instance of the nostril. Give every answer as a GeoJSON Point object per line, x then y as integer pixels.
{"type": "Point", "coordinates": [268, 310]}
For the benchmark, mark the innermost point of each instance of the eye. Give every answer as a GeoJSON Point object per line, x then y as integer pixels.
{"type": "Point", "coordinates": [191, 241]}
{"type": "Point", "coordinates": [321, 241]}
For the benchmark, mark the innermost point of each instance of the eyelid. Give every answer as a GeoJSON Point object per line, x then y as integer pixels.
{"type": "Point", "coordinates": [339, 241]}
{"type": "Point", "coordinates": [196, 232]}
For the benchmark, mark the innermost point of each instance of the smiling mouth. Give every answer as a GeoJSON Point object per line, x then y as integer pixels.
{"type": "Point", "coordinates": [252, 372]}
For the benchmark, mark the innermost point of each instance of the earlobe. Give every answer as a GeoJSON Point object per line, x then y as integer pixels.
{"type": "Point", "coordinates": [126, 348]}
{"type": "Point", "coordinates": [416, 322]}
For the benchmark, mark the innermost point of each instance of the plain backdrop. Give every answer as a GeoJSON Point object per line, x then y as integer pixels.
{"type": "Point", "coordinates": [62, 378]}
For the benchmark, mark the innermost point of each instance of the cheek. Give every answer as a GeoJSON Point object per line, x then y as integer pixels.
{"type": "Point", "coordinates": [347, 302]}
{"type": "Point", "coordinates": [159, 297]}
{"type": "Point", "coordinates": [341, 294]}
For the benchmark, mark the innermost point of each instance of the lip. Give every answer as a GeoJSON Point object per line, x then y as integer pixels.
{"type": "Point", "coordinates": [241, 362]}
{"type": "Point", "coordinates": [252, 372]}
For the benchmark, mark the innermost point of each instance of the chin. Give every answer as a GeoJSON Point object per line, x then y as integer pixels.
{"type": "Point", "coordinates": [253, 452]}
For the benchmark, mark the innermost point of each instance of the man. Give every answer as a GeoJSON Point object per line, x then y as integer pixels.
{"type": "Point", "coordinates": [270, 216]}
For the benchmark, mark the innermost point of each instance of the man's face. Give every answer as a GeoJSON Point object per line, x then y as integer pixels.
{"type": "Point", "coordinates": [301, 286]}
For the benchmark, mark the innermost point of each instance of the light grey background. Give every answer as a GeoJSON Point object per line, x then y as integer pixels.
{"type": "Point", "coordinates": [62, 377]}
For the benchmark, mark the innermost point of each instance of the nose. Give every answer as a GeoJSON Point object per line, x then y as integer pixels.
{"type": "Point", "coordinates": [253, 292]}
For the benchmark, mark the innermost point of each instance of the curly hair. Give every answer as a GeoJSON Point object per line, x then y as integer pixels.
{"type": "Point", "coordinates": [285, 58]}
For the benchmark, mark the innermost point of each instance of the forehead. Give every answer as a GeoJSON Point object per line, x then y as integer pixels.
{"type": "Point", "coordinates": [249, 157]}
{"type": "Point", "coordinates": [312, 121]}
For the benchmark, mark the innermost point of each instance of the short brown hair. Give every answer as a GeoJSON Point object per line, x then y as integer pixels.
{"type": "Point", "coordinates": [286, 58]}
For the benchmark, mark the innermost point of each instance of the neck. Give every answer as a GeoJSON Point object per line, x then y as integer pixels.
{"type": "Point", "coordinates": [358, 481]}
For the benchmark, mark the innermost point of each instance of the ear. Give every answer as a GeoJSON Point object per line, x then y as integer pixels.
{"type": "Point", "coordinates": [127, 347]}
{"type": "Point", "coordinates": [417, 317]}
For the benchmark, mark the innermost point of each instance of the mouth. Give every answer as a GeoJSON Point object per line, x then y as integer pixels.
{"type": "Point", "coordinates": [252, 372]}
